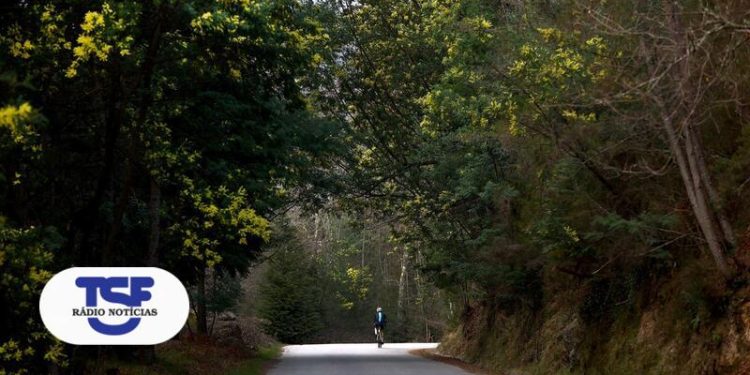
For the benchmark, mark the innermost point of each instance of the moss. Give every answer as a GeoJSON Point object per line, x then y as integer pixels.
{"type": "Point", "coordinates": [672, 324]}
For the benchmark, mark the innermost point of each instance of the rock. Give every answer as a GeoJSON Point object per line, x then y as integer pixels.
{"type": "Point", "coordinates": [229, 334]}
{"type": "Point", "coordinates": [646, 331]}
{"type": "Point", "coordinates": [252, 332]}
{"type": "Point", "coordinates": [227, 316]}
{"type": "Point", "coordinates": [729, 351]}
{"type": "Point", "coordinates": [745, 321]}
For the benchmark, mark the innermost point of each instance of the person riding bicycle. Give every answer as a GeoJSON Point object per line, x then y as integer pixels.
{"type": "Point", "coordinates": [379, 323]}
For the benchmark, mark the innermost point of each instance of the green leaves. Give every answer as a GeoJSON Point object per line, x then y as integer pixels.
{"type": "Point", "coordinates": [103, 32]}
{"type": "Point", "coordinates": [26, 258]}
{"type": "Point", "coordinates": [219, 221]}
{"type": "Point", "coordinates": [21, 121]}
{"type": "Point", "coordinates": [157, 132]}
{"type": "Point", "coordinates": [290, 294]}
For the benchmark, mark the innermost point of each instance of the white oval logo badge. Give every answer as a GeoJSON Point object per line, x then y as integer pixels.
{"type": "Point", "coordinates": [114, 305]}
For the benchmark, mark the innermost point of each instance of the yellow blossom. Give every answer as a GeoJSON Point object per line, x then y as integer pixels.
{"type": "Point", "coordinates": [91, 21]}
{"type": "Point", "coordinates": [572, 115]}
{"type": "Point", "coordinates": [526, 50]}
{"type": "Point", "coordinates": [549, 33]}
{"type": "Point", "coordinates": [12, 116]}
{"type": "Point", "coordinates": [21, 49]}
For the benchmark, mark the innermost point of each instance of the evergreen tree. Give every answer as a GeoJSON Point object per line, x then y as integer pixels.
{"type": "Point", "coordinates": [290, 295]}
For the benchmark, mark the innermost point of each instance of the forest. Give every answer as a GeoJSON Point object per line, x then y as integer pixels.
{"type": "Point", "coordinates": [543, 186]}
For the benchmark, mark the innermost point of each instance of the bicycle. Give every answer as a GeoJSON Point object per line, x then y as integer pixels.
{"type": "Point", "coordinates": [379, 336]}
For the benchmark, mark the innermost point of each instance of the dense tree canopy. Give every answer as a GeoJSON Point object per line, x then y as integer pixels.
{"type": "Point", "coordinates": [551, 130]}
{"type": "Point", "coordinates": [160, 133]}
{"type": "Point", "coordinates": [520, 155]}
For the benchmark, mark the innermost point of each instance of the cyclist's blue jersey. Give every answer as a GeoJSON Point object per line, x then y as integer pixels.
{"type": "Point", "coordinates": [380, 319]}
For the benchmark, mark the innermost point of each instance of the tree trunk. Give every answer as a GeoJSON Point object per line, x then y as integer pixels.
{"type": "Point", "coordinates": [89, 216]}
{"type": "Point", "coordinates": [400, 311]}
{"type": "Point", "coordinates": [108, 251]}
{"type": "Point", "coordinates": [135, 147]}
{"type": "Point", "coordinates": [713, 195]}
{"type": "Point", "coordinates": [702, 210]}
{"type": "Point", "coordinates": [315, 234]}
{"type": "Point", "coordinates": [421, 298]}
{"type": "Point", "coordinates": [154, 207]}
{"type": "Point", "coordinates": [695, 194]}
{"type": "Point", "coordinates": [363, 250]}
{"type": "Point", "coordinates": [689, 156]}
{"type": "Point", "coordinates": [200, 304]}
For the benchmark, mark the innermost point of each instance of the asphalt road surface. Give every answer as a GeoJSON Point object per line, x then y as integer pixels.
{"type": "Point", "coordinates": [359, 359]}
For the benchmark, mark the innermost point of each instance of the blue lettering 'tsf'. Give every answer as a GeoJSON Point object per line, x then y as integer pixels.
{"type": "Point", "coordinates": [104, 285]}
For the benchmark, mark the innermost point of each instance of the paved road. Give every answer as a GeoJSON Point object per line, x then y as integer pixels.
{"type": "Point", "coordinates": [359, 359]}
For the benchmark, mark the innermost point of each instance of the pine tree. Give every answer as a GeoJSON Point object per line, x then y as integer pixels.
{"type": "Point", "coordinates": [290, 296]}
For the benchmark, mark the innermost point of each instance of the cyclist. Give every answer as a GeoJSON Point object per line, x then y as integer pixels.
{"type": "Point", "coordinates": [379, 323]}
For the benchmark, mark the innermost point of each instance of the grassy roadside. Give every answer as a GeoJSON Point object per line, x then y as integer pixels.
{"type": "Point", "coordinates": [198, 357]}
{"type": "Point", "coordinates": [258, 365]}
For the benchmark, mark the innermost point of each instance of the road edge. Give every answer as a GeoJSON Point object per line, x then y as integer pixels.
{"type": "Point", "coordinates": [433, 355]}
{"type": "Point", "coordinates": [269, 363]}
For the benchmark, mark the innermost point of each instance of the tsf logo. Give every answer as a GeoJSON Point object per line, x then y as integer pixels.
{"type": "Point", "coordinates": [96, 286]}
{"type": "Point", "coordinates": [114, 305]}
